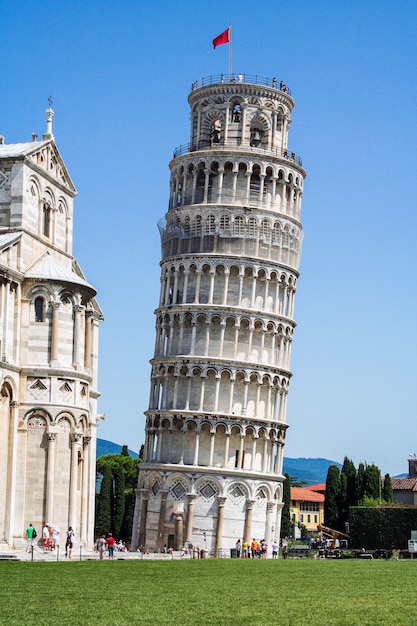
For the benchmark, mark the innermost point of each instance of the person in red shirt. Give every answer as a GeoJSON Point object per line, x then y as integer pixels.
{"type": "Point", "coordinates": [110, 545]}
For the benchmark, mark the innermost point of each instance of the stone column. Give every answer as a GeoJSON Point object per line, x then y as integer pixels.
{"type": "Point", "coordinates": [87, 340]}
{"type": "Point", "coordinates": [50, 473]}
{"type": "Point", "coordinates": [269, 519]}
{"type": "Point", "coordinates": [179, 531]}
{"type": "Point", "coordinates": [227, 114]}
{"type": "Point", "coordinates": [219, 530]}
{"type": "Point", "coordinates": [243, 123]}
{"type": "Point", "coordinates": [247, 529]}
{"type": "Point", "coordinates": [265, 456]}
{"type": "Point", "coordinates": [280, 506]}
{"type": "Point", "coordinates": [240, 453]}
{"type": "Point", "coordinates": [85, 489]}
{"type": "Point", "coordinates": [5, 310]}
{"type": "Point", "coordinates": [183, 431]}
{"type": "Point", "coordinates": [162, 515]}
{"type": "Point", "coordinates": [212, 440]}
{"type": "Point", "coordinates": [54, 333]}
{"type": "Point", "coordinates": [185, 288]}
{"type": "Point", "coordinates": [226, 450]}
{"type": "Point", "coordinates": [197, 445]}
{"type": "Point", "coordinates": [77, 335]}
{"type": "Point", "coordinates": [253, 453]}
{"type": "Point", "coordinates": [197, 287]}
{"type": "Point", "coordinates": [143, 519]}
{"type": "Point", "coordinates": [226, 286]}
{"type": "Point", "coordinates": [190, 516]}
{"type": "Point", "coordinates": [75, 446]}
{"type": "Point", "coordinates": [222, 331]}
{"type": "Point", "coordinates": [11, 487]}
{"type": "Point", "coordinates": [211, 288]}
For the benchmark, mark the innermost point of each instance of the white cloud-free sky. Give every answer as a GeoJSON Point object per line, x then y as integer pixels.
{"type": "Point", "coordinates": [119, 74]}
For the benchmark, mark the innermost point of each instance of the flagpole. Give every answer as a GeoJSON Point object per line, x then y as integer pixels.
{"type": "Point", "coordinates": [230, 50]}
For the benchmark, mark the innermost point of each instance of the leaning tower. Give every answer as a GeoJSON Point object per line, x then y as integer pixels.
{"type": "Point", "coordinates": [231, 245]}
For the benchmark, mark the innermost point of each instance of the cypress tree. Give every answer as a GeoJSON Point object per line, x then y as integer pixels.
{"type": "Point", "coordinates": [126, 530]}
{"type": "Point", "coordinates": [103, 503]}
{"type": "Point", "coordinates": [332, 498]}
{"type": "Point", "coordinates": [372, 482]}
{"type": "Point", "coordinates": [388, 493]}
{"type": "Point", "coordinates": [360, 482]}
{"type": "Point", "coordinates": [348, 495]}
{"type": "Point", "coordinates": [286, 498]}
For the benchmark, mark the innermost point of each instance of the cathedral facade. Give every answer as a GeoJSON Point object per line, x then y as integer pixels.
{"type": "Point", "coordinates": [48, 349]}
{"type": "Point", "coordinates": [231, 243]}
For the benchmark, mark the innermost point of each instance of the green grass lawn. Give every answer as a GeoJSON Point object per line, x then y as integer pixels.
{"type": "Point", "coordinates": [209, 591]}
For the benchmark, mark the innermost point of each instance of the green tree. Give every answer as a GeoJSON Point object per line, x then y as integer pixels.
{"type": "Point", "coordinates": [130, 500]}
{"type": "Point", "coordinates": [388, 493]}
{"type": "Point", "coordinates": [121, 474]}
{"type": "Point", "coordinates": [348, 495]}
{"type": "Point", "coordinates": [372, 482]}
{"type": "Point", "coordinates": [360, 482]}
{"type": "Point", "coordinates": [285, 517]}
{"type": "Point", "coordinates": [103, 503]}
{"type": "Point", "coordinates": [118, 500]}
{"type": "Point", "coordinates": [332, 498]}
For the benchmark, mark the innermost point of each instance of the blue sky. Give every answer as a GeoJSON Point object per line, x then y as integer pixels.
{"type": "Point", "coordinates": [119, 74]}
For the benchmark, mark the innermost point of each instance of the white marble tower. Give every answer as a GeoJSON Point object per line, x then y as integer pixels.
{"type": "Point", "coordinates": [231, 245]}
{"type": "Point", "coordinates": [48, 343]}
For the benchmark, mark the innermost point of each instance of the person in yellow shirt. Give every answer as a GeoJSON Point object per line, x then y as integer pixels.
{"type": "Point", "coordinates": [245, 547]}
{"type": "Point", "coordinates": [254, 546]}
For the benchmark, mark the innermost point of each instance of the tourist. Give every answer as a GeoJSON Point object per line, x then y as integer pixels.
{"type": "Point", "coordinates": [30, 536]}
{"type": "Point", "coordinates": [55, 536]}
{"type": "Point", "coordinates": [245, 548]}
{"type": "Point", "coordinates": [45, 537]}
{"type": "Point", "coordinates": [69, 543]}
{"type": "Point", "coordinates": [101, 546]}
{"type": "Point", "coordinates": [284, 548]}
{"type": "Point", "coordinates": [237, 547]}
{"type": "Point", "coordinates": [254, 546]}
{"type": "Point", "coordinates": [110, 546]}
{"type": "Point", "coordinates": [275, 548]}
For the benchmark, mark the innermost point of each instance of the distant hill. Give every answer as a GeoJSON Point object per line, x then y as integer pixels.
{"type": "Point", "coordinates": [108, 447]}
{"type": "Point", "coordinates": [312, 471]}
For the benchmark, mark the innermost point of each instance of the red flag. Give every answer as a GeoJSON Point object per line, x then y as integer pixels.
{"type": "Point", "coordinates": [222, 38]}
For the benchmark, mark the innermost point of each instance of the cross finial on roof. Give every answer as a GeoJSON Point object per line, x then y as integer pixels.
{"type": "Point", "coordinates": [50, 101]}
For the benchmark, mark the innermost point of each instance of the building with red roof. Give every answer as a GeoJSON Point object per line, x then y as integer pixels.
{"type": "Point", "coordinates": [307, 507]}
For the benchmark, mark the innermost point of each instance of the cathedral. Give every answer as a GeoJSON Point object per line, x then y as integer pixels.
{"type": "Point", "coordinates": [231, 244]}
{"type": "Point", "coordinates": [49, 320]}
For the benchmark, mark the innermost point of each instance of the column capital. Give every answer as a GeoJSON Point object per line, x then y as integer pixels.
{"type": "Point", "coordinates": [221, 501]}
{"type": "Point", "coordinates": [86, 441]}
{"type": "Point", "coordinates": [76, 438]}
{"type": "Point", "coordinates": [270, 506]}
{"type": "Point", "coordinates": [51, 437]}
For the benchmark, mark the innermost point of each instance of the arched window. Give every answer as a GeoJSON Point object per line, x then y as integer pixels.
{"type": "Point", "coordinates": [46, 219]}
{"type": "Point", "coordinates": [39, 309]}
